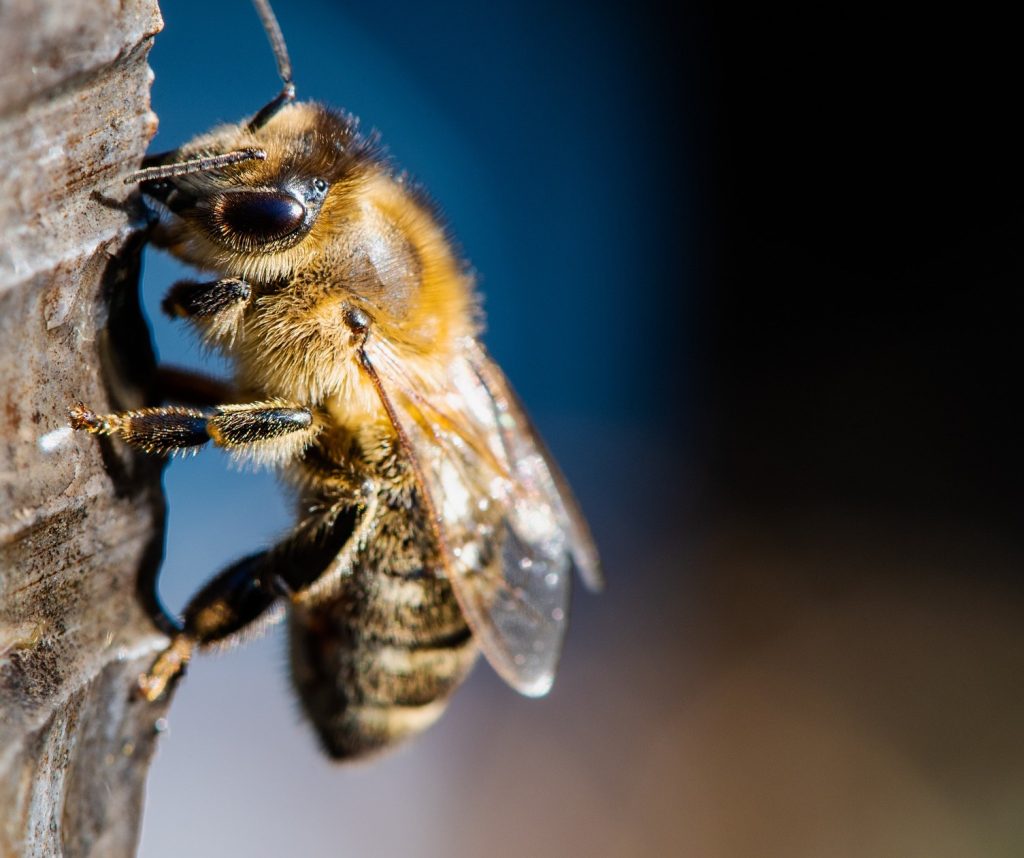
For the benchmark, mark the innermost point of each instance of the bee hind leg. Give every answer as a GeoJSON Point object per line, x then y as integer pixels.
{"type": "Point", "coordinates": [234, 600]}
{"type": "Point", "coordinates": [243, 598]}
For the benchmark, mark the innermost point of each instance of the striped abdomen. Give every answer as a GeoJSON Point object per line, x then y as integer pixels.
{"type": "Point", "coordinates": [377, 663]}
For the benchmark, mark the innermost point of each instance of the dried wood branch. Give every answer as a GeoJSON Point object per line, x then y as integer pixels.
{"type": "Point", "coordinates": [80, 521]}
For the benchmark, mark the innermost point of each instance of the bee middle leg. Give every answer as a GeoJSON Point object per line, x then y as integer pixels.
{"type": "Point", "coordinates": [237, 600]}
{"type": "Point", "coordinates": [271, 430]}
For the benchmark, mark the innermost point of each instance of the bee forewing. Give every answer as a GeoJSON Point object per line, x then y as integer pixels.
{"type": "Point", "coordinates": [534, 467]}
{"type": "Point", "coordinates": [506, 532]}
{"type": "Point", "coordinates": [519, 619]}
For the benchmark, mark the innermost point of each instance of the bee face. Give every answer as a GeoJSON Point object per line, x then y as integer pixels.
{"type": "Point", "coordinates": [309, 166]}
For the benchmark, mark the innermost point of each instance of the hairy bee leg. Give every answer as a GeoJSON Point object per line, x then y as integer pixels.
{"type": "Point", "coordinates": [193, 300]}
{"type": "Point", "coordinates": [271, 432]}
{"type": "Point", "coordinates": [172, 428]}
{"type": "Point", "coordinates": [155, 430]}
{"type": "Point", "coordinates": [215, 307]}
{"type": "Point", "coordinates": [226, 605]}
{"type": "Point", "coordinates": [169, 664]}
{"type": "Point", "coordinates": [241, 598]}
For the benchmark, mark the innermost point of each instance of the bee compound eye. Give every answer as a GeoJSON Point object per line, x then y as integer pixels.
{"type": "Point", "coordinates": [259, 215]}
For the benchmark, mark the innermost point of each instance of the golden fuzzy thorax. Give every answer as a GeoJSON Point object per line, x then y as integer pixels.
{"type": "Point", "coordinates": [375, 245]}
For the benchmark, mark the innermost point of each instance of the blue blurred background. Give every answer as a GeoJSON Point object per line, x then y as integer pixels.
{"type": "Point", "coordinates": [756, 272]}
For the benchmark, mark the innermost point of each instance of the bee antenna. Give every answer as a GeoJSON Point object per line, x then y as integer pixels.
{"type": "Point", "coordinates": [284, 65]}
{"type": "Point", "coordinates": [196, 165]}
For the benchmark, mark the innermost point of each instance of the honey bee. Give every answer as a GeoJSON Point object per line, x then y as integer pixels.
{"type": "Point", "coordinates": [433, 523]}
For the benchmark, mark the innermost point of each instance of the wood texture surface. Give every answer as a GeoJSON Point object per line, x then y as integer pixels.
{"type": "Point", "coordinates": [80, 521]}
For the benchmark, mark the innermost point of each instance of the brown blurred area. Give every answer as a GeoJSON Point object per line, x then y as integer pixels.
{"type": "Point", "coordinates": [862, 694]}
{"type": "Point", "coordinates": [861, 610]}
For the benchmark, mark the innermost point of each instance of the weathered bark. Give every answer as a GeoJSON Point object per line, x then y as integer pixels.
{"type": "Point", "coordinates": [80, 521]}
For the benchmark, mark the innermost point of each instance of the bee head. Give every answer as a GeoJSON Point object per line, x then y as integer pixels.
{"type": "Point", "coordinates": [252, 199]}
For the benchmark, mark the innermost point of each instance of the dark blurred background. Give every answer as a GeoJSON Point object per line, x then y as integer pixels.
{"type": "Point", "coordinates": [756, 274]}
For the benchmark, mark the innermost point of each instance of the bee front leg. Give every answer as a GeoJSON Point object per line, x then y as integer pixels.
{"type": "Point", "coordinates": [267, 431]}
{"type": "Point", "coordinates": [190, 299]}
{"type": "Point", "coordinates": [216, 306]}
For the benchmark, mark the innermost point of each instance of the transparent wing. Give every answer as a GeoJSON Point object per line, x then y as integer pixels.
{"type": "Point", "coordinates": [509, 531]}
{"type": "Point", "coordinates": [535, 469]}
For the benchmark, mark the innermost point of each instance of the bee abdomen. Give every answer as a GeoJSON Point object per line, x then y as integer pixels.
{"type": "Point", "coordinates": [398, 692]}
{"type": "Point", "coordinates": [367, 684]}
{"type": "Point", "coordinates": [411, 676]}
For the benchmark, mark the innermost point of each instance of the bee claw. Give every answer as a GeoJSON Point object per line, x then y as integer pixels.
{"type": "Point", "coordinates": [170, 664]}
{"type": "Point", "coordinates": [83, 417]}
